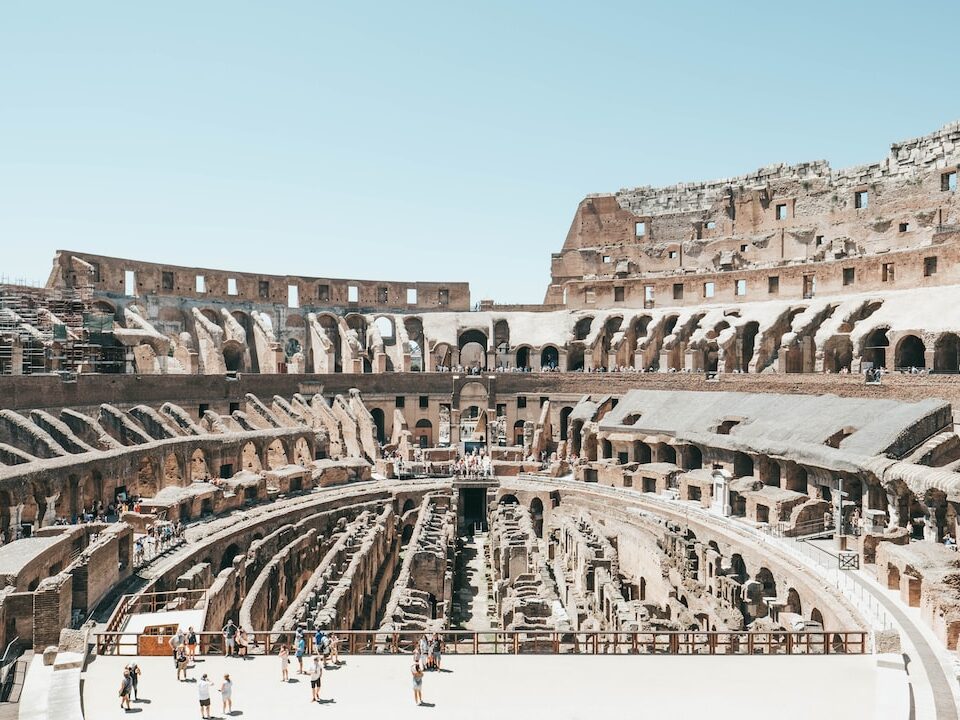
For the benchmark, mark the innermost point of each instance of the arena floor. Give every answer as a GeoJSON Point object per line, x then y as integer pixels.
{"type": "Point", "coordinates": [514, 686]}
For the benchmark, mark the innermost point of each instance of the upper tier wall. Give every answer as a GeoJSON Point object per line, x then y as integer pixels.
{"type": "Point", "coordinates": [107, 275]}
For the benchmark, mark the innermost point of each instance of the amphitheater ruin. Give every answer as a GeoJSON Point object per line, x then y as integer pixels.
{"type": "Point", "coordinates": [728, 430]}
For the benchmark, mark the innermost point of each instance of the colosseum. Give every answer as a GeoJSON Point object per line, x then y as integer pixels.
{"type": "Point", "coordinates": [728, 430]}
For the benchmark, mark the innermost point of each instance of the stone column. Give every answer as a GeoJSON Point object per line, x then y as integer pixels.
{"type": "Point", "coordinates": [893, 511]}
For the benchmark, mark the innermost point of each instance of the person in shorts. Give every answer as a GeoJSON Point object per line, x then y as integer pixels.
{"type": "Point", "coordinates": [300, 648]}
{"type": "Point", "coordinates": [126, 687]}
{"type": "Point", "coordinates": [316, 672]}
{"type": "Point", "coordinates": [203, 693]}
{"type": "Point", "coordinates": [416, 670]}
{"type": "Point", "coordinates": [229, 637]}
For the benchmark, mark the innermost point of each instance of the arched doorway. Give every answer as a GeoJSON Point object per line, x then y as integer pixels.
{"type": "Point", "coordinates": [523, 357]}
{"type": "Point", "coordinates": [473, 349]}
{"type": "Point", "coordinates": [910, 352]}
{"type": "Point", "coordinates": [564, 418]}
{"type": "Point", "coordinates": [946, 354]}
{"type": "Point", "coordinates": [875, 348]}
{"type": "Point", "coordinates": [549, 358]}
{"type": "Point", "coordinates": [536, 516]}
{"type": "Point", "coordinates": [380, 423]}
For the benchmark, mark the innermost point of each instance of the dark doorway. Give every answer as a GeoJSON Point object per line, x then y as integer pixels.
{"type": "Point", "coordinates": [474, 507]}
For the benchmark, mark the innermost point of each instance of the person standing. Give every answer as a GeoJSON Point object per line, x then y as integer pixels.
{"type": "Point", "coordinates": [203, 693]}
{"type": "Point", "coordinates": [134, 678]}
{"type": "Point", "coordinates": [335, 649]}
{"type": "Point", "coordinates": [180, 658]}
{"type": "Point", "coordinates": [417, 671]}
{"type": "Point", "coordinates": [437, 651]}
{"type": "Point", "coordinates": [229, 637]}
{"type": "Point", "coordinates": [126, 687]}
{"type": "Point", "coordinates": [316, 672]}
{"type": "Point", "coordinates": [301, 648]}
{"type": "Point", "coordinates": [226, 694]}
{"type": "Point", "coordinates": [284, 664]}
{"type": "Point", "coordinates": [176, 641]}
{"type": "Point", "coordinates": [192, 645]}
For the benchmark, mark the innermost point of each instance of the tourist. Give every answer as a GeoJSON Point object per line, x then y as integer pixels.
{"type": "Point", "coordinates": [134, 678]}
{"type": "Point", "coordinates": [949, 542]}
{"type": "Point", "coordinates": [335, 649]}
{"type": "Point", "coordinates": [176, 641]}
{"type": "Point", "coordinates": [241, 640]}
{"type": "Point", "coordinates": [226, 694]}
{"type": "Point", "coordinates": [180, 658]}
{"type": "Point", "coordinates": [301, 648]}
{"type": "Point", "coordinates": [229, 637]}
{"type": "Point", "coordinates": [191, 644]}
{"type": "Point", "coordinates": [126, 687]}
{"type": "Point", "coordinates": [203, 693]}
{"type": "Point", "coordinates": [284, 663]}
{"type": "Point", "coordinates": [417, 673]}
{"type": "Point", "coordinates": [316, 672]}
{"type": "Point", "coordinates": [437, 650]}
{"type": "Point", "coordinates": [430, 661]}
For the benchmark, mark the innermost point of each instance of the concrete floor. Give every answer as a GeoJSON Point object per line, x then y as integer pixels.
{"type": "Point", "coordinates": [514, 686]}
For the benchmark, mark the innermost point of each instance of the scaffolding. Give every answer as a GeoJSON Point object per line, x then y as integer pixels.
{"type": "Point", "coordinates": [44, 330]}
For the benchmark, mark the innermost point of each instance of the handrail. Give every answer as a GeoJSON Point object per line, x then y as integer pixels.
{"type": "Point", "coordinates": [8, 675]}
{"type": "Point", "coordinates": [514, 642]}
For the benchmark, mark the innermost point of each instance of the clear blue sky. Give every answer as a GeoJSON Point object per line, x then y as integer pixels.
{"type": "Point", "coordinates": [425, 141]}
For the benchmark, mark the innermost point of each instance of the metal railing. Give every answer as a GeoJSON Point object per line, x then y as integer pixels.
{"type": "Point", "coordinates": [521, 642]}
{"type": "Point", "coordinates": [8, 669]}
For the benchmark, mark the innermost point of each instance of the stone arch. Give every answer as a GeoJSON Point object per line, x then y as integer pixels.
{"type": "Point", "coordinates": [536, 516]}
{"type": "Point", "coordinates": [793, 604]}
{"type": "Point", "coordinates": [742, 465]}
{"type": "Point", "coordinates": [564, 420]}
{"type": "Point", "coordinates": [172, 474]}
{"type": "Point", "coordinates": [385, 326]}
{"type": "Point", "coordinates": [250, 458]}
{"type": "Point", "coordinates": [246, 322]}
{"type": "Point", "coordinates": [233, 356]}
{"type": "Point", "coordinates": [711, 357]}
{"type": "Point", "coordinates": [408, 505]}
{"type": "Point", "coordinates": [414, 328]}
{"type": "Point", "coordinates": [946, 353]}
{"type": "Point", "coordinates": [226, 560]}
{"type": "Point", "coordinates": [875, 347]}
{"type": "Point", "coordinates": [501, 337]}
{"type": "Point", "coordinates": [838, 354]}
{"type": "Point", "coordinates": [508, 499]}
{"type": "Point", "coordinates": [301, 453]}
{"type": "Point", "coordinates": [406, 535]}
{"type": "Point", "coordinates": [748, 338]}
{"type": "Point", "coordinates": [442, 355]}
{"type": "Point", "coordinates": [423, 433]}
{"type": "Point", "coordinates": [523, 356]}
{"type": "Point", "coordinates": [212, 315]}
{"type": "Point", "coordinates": [549, 357]}
{"type": "Point", "coordinates": [816, 616]}
{"type": "Point", "coordinates": [473, 348]}
{"type": "Point", "coordinates": [147, 483]}
{"type": "Point", "coordinates": [518, 432]}
{"type": "Point", "coordinates": [199, 470]}
{"type": "Point", "coordinates": [276, 455]}
{"type": "Point", "coordinates": [910, 352]}
{"type": "Point", "coordinates": [379, 420]}
{"type": "Point", "coordinates": [582, 328]}
{"type": "Point", "coordinates": [668, 453]}
{"type": "Point", "coordinates": [331, 328]}
{"type": "Point", "coordinates": [692, 458]}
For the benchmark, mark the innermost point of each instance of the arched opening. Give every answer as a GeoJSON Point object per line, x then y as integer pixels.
{"type": "Point", "coordinates": [414, 328]}
{"type": "Point", "coordinates": [747, 340]}
{"type": "Point", "coordinates": [501, 340]}
{"type": "Point", "coordinates": [582, 328]}
{"type": "Point", "coordinates": [564, 419]}
{"type": "Point", "coordinates": [198, 466]}
{"type": "Point", "coordinates": [816, 616]}
{"type": "Point", "coordinates": [380, 423]}
{"type": "Point", "coordinates": [875, 348]}
{"type": "Point", "coordinates": [793, 603]}
{"type": "Point", "coordinates": [473, 349]}
{"type": "Point", "coordinates": [276, 455]}
{"type": "Point", "coordinates": [227, 559]}
{"type": "Point", "coordinates": [641, 452]}
{"type": "Point", "coordinates": [523, 357]}
{"type": "Point", "coordinates": [406, 535]}
{"type": "Point", "coordinates": [518, 432]}
{"type": "Point", "coordinates": [442, 356]}
{"type": "Point", "coordinates": [233, 356]}
{"type": "Point", "coordinates": [668, 454]}
{"type": "Point", "coordinates": [838, 354]}
{"type": "Point", "coordinates": [711, 357]}
{"type": "Point", "coordinates": [536, 515]}
{"type": "Point", "coordinates": [575, 356]}
{"type": "Point", "coordinates": [423, 433]}
{"type": "Point", "coordinates": [549, 358]}
{"type": "Point", "coordinates": [910, 352]}
{"type": "Point", "coordinates": [385, 327]}
{"type": "Point", "coordinates": [246, 322]}
{"type": "Point", "coordinates": [692, 458]}
{"type": "Point", "coordinates": [509, 500]}
{"type": "Point", "coordinates": [742, 465]}
{"type": "Point", "coordinates": [408, 505]}
{"type": "Point", "coordinates": [250, 458]}
{"type": "Point", "coordinates": [946, 354]}
{"type": "Point", "coordinates": [796, 479]}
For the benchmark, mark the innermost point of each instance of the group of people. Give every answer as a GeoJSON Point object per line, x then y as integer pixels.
{"type": "Point", "coordinates": [473, 464]}
{"type": "Point", "coordinates": [326, 651]}
{"type": "Point", "coordinates": [427, 655]}
{"type": "Point", "coordinates": [160, 536]}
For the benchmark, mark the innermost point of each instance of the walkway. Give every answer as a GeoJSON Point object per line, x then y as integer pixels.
{"type": "Point", "coordinates": [483, 687]}
{"type": "Point", "coordinates": [472, 587]}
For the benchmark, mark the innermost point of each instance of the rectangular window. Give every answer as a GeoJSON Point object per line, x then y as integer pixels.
{"type": "Point", "coordinates": [809, 286]}
{"type": "Point", "coordinates": [606, 258]}
{"type": "Point", "coordinates": [710, 225]}
{"type": "Point", "coordinates": [234, 407]}
{"type": "Point", "coordinates": [424, 402]}
{"type": "Point", "coordinates": [293, 296]}
{"type": "Point", "coordinates": [678, 291]}
{"type": "Point", "coordinates": [129, 283]}
{"type": "Point", "coordinates": [743, 248]}
{"type": "Point", "coordinates": [740, 289]}
{"type": "Point", "coordinates": [544, 400]}
{"type": "Point", "coordinates": [166, 280]}
{"type": "Point", "coordinates": [411, 296]}
{"type": "Point", "coordinates": [773, 284]}
{"type": "Point", "coordinates": [590, 296]}
{"type": "Point", "coordinates": [648, 293]}
{"type": "Point", "coordinates": [849, 275]}
{"type": "Point", "coordinates": [232, 286]}
{"type": "Point", "coordinates": [708, 289]}
{"type": "Point", "coordinates": [819, 240]}
{"type": "Point", "coordinates": [904, 227]}
{"type": "Point", "coordinates": [618, 294]}
{"type": "Point", "coordinates": [782, 211]}
{"type": "Point", "coordinates": [201, 409]}
{"type": "Point", "coordinates": [400, 401]}
{"type": "Point", "coordinates": [383, 295]}
{"type": "Point", "coordinates": [323, 293]}
{"type": "Point", "coordinates": [201, 284]}
{"type": "Point", "coordinates": [641, 228]}
{"type": "Point", "coordinates": [930, 266]}
{"type": "Point", "coordinates": [948, 181]}
{"type": "Point", "coordinates": [263, 289]}
{"type": "Point", "coordinates": [673, 254]}
{"type": "Point", "coordinates": [353, 293]}
{"type": "Point", "coordinates": [887, 272]}
{"type": "Point", "coordinates": [861, 199]}
{"type": "Point", "coordinates": [443, 297]}
{"type": "Point", "coordinates": [521, 402]}
{"type": "Point", "coordinates": [96, 271]}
